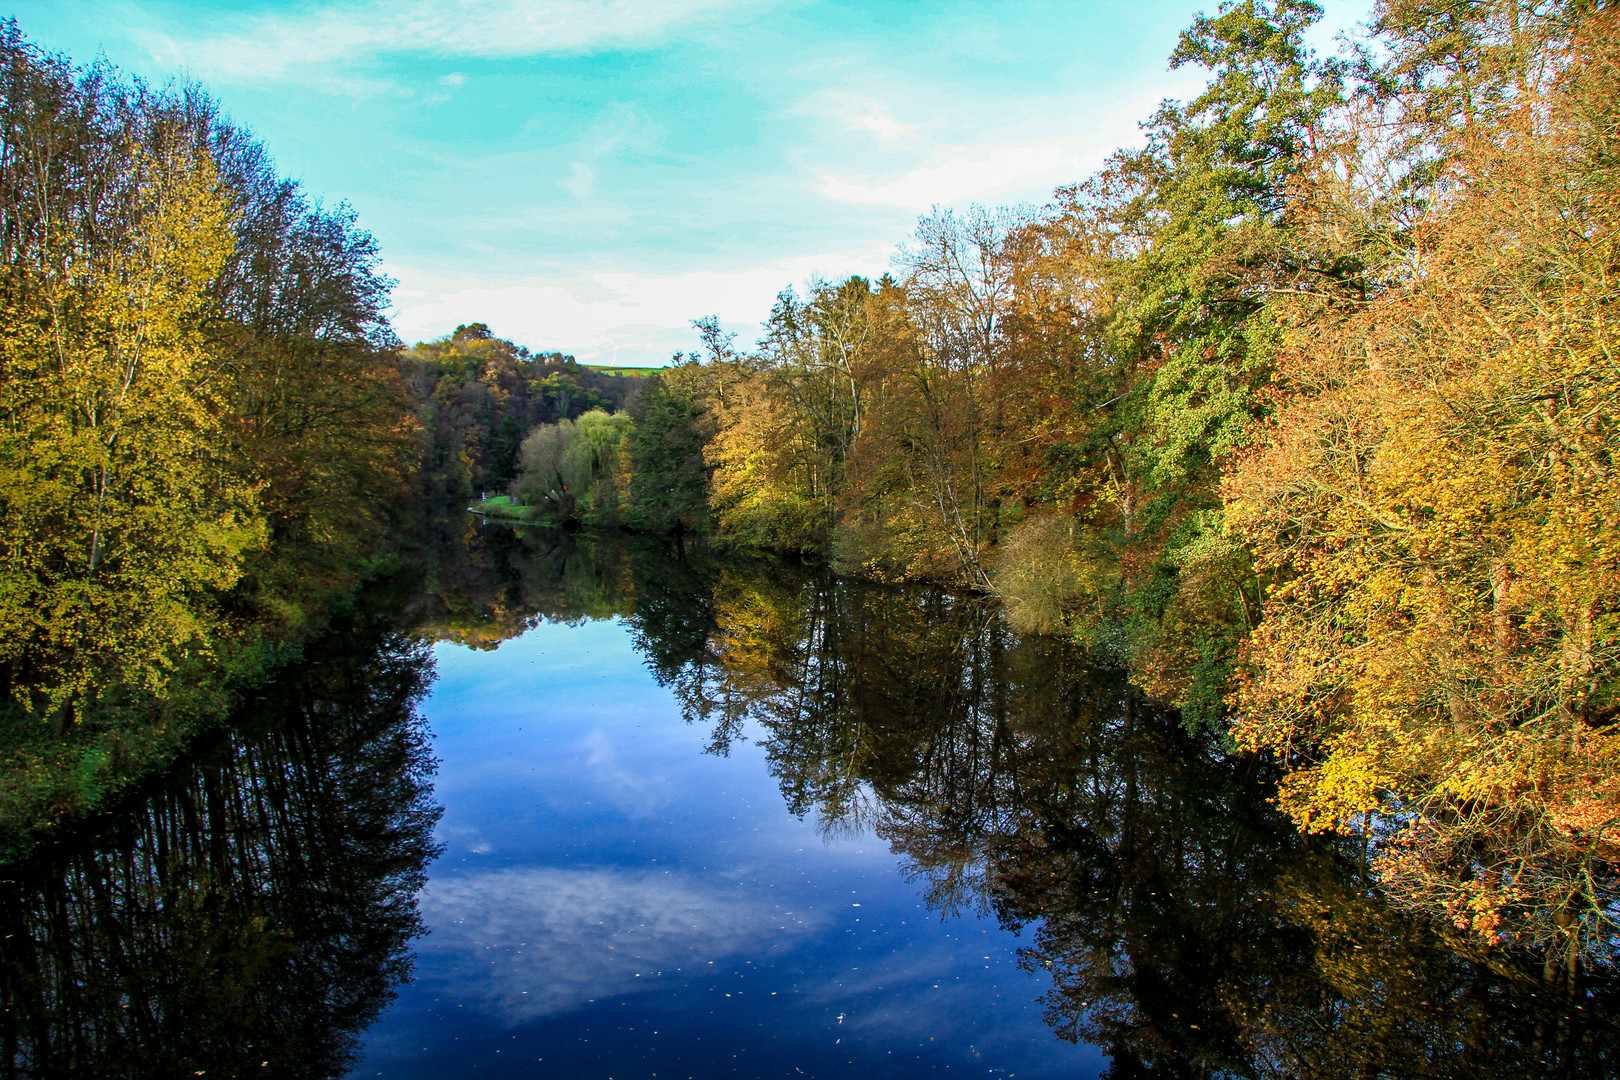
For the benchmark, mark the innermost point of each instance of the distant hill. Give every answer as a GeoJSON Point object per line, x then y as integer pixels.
{"type": "Point", "coordinates": [477, 396]}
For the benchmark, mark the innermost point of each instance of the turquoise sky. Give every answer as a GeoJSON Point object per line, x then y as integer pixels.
{"type": "Point", "coordinates": [589, 175]}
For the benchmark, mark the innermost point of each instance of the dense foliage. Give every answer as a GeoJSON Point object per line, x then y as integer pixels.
{"type": "Point", "coordinates": [202, 422]}
{"type": "Point", "coordinates": [1304, 412]}
{"type": "Point", "coordinates": [480, 396]}
{"type": "Point", "coordinates": [574, 469]}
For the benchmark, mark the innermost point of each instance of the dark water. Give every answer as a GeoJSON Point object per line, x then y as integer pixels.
{"type": "Point", "coordinates": [553, 806]}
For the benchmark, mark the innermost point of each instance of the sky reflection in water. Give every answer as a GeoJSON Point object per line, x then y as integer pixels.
{"type": "Point", "coordinates": [613, 901]}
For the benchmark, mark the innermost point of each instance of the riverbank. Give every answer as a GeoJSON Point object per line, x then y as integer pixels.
{"type": "Point", "coordinates": [506, 508]}
{"type": "Point", "coordinates": [52, 779]}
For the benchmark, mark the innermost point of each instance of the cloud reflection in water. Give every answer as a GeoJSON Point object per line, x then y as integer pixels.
{"type": "Point", "coordinates": [536, 942]}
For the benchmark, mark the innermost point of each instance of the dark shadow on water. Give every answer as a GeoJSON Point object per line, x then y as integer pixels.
{"type": "Point", "coordinates": [251, 914]}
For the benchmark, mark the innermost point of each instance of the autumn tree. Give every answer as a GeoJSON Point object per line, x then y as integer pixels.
{"type": "Point", "coordinates": [1436, 504]}
{"type": "Point", "coordinates": [788, 419]}
{"type": "Point", "coordinates": [203, 432]}
{"type": "Point", "coordinates": [120, 518]}
{"type": "Point", "coordinates": [479, 396]}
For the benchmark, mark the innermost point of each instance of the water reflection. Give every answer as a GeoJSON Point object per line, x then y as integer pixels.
{"type": "Point", "coordinates": [596, 912]}
{"type": "Point", "coordinates": [1180, 923]}
{"type": "Point", "coordinates": [250, 915]}
{"type": "Point", "coordinates": [562, 939]}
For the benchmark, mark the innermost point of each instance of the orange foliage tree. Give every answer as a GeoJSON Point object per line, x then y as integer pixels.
{"type": "Point", "coordinates": [1438, 506]}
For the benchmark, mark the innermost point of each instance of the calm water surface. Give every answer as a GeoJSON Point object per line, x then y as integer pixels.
{"type": "Point", "coordinates": [551, 805]}
{"type": "Point", "coordinates": [614, 901]}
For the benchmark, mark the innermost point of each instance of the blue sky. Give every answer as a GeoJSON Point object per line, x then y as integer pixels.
{"type": "Point", "coordinates": [589, 175]}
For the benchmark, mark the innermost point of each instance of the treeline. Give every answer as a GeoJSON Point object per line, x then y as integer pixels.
{"type": "Point", "coordinates": [1304, 411]}
{"type": "Point", "coordinates": [209, 434]}
{"type": "Point", "coordinates": [479, 396]}
{"type": "Point", "coordinates": [204, 422]}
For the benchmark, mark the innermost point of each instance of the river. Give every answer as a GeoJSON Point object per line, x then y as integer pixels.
{"type": "Point", "coordinates": [556, 805]}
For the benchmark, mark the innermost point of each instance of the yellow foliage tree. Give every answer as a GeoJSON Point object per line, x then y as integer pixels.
{"type": "Point", "coordinates": [120, 518]}
{"type": "Point", "coordinates": [1439, 507]}
{"type": "Point", "coordinates": [763, 489]}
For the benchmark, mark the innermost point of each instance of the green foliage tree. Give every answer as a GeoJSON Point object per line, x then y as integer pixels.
{"type": "Point", "coordinates": [572, 468]}
{"type": "Point", "coordinates": [1205, 213]}
{"type": "Point", "coordinates": [669, 479]}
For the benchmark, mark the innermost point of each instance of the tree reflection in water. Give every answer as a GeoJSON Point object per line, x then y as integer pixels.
{"type": "Point", "coordinates": [257, 905]}
{"type": "Point", "coordinates": [1185, 927]}
{"type": "Point", "coordinates": [251, 914]}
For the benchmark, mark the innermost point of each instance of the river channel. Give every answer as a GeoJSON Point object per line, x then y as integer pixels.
{"type": "Point", "coordinates": [554, 805]}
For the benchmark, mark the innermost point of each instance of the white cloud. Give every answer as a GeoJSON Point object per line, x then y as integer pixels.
{"type": "Point", "coordinates": [581, 183]}
{"type": "Point", "coordinates": [959, 178]}
{"type": "Point", "coordinates": [530, 943]}
{"type": "Point", "coordinates": [612, 317]}
{"type": "Point", "coordinates": [620, 129]}
{"type": "Point", "coordinates": [1016, 159]}
{"type": "Point", "coordinates": [634, 792]}
{"type": "Point", "coordinates": [880, 122]}
{"type": "Point", "coordinates": [267, 47]}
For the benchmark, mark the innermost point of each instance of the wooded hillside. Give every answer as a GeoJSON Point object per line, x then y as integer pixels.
{"type": "Point", "coordinates": [1304, 411]}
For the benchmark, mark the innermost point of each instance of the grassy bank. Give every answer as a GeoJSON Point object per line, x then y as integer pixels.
{"type": "Point", "coordinates": [507, 509]}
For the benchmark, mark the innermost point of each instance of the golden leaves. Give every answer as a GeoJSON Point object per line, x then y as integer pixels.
{"type": "Point", "coordinates": [1437, 503]}
{"type": "Point", "coordinates": [120, 514]}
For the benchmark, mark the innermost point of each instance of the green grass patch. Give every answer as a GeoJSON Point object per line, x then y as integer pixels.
{"type": "Point", "coordinates": [505, 508]}
{"type": "Point", "coordinates": [627, 372]}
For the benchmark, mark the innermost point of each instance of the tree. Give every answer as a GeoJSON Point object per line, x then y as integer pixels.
{"type": "Point", "coordinates": [669, 480]}
{"type": "Point", "coordinates": [572, 467]}
{"type": "Point", "coordinates": [788, 419]}
{"type": "Point", "coordinates": [1436, 505]}
{"type": "Point", "coordinates": [1206, 237]}
{"type": "Point", "coordinates": [120, 518]}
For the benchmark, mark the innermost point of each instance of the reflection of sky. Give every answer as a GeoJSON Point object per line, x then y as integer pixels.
{"type": "Point", "coordinates": [613, 902]}
{"type": "Point", "coordinates": [543, 942]}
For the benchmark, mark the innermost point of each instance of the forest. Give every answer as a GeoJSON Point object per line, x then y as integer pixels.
{"type": "Point", "coordinates": [205, 429]}
{"type": "Point", "coordinates": [1302, 414]}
